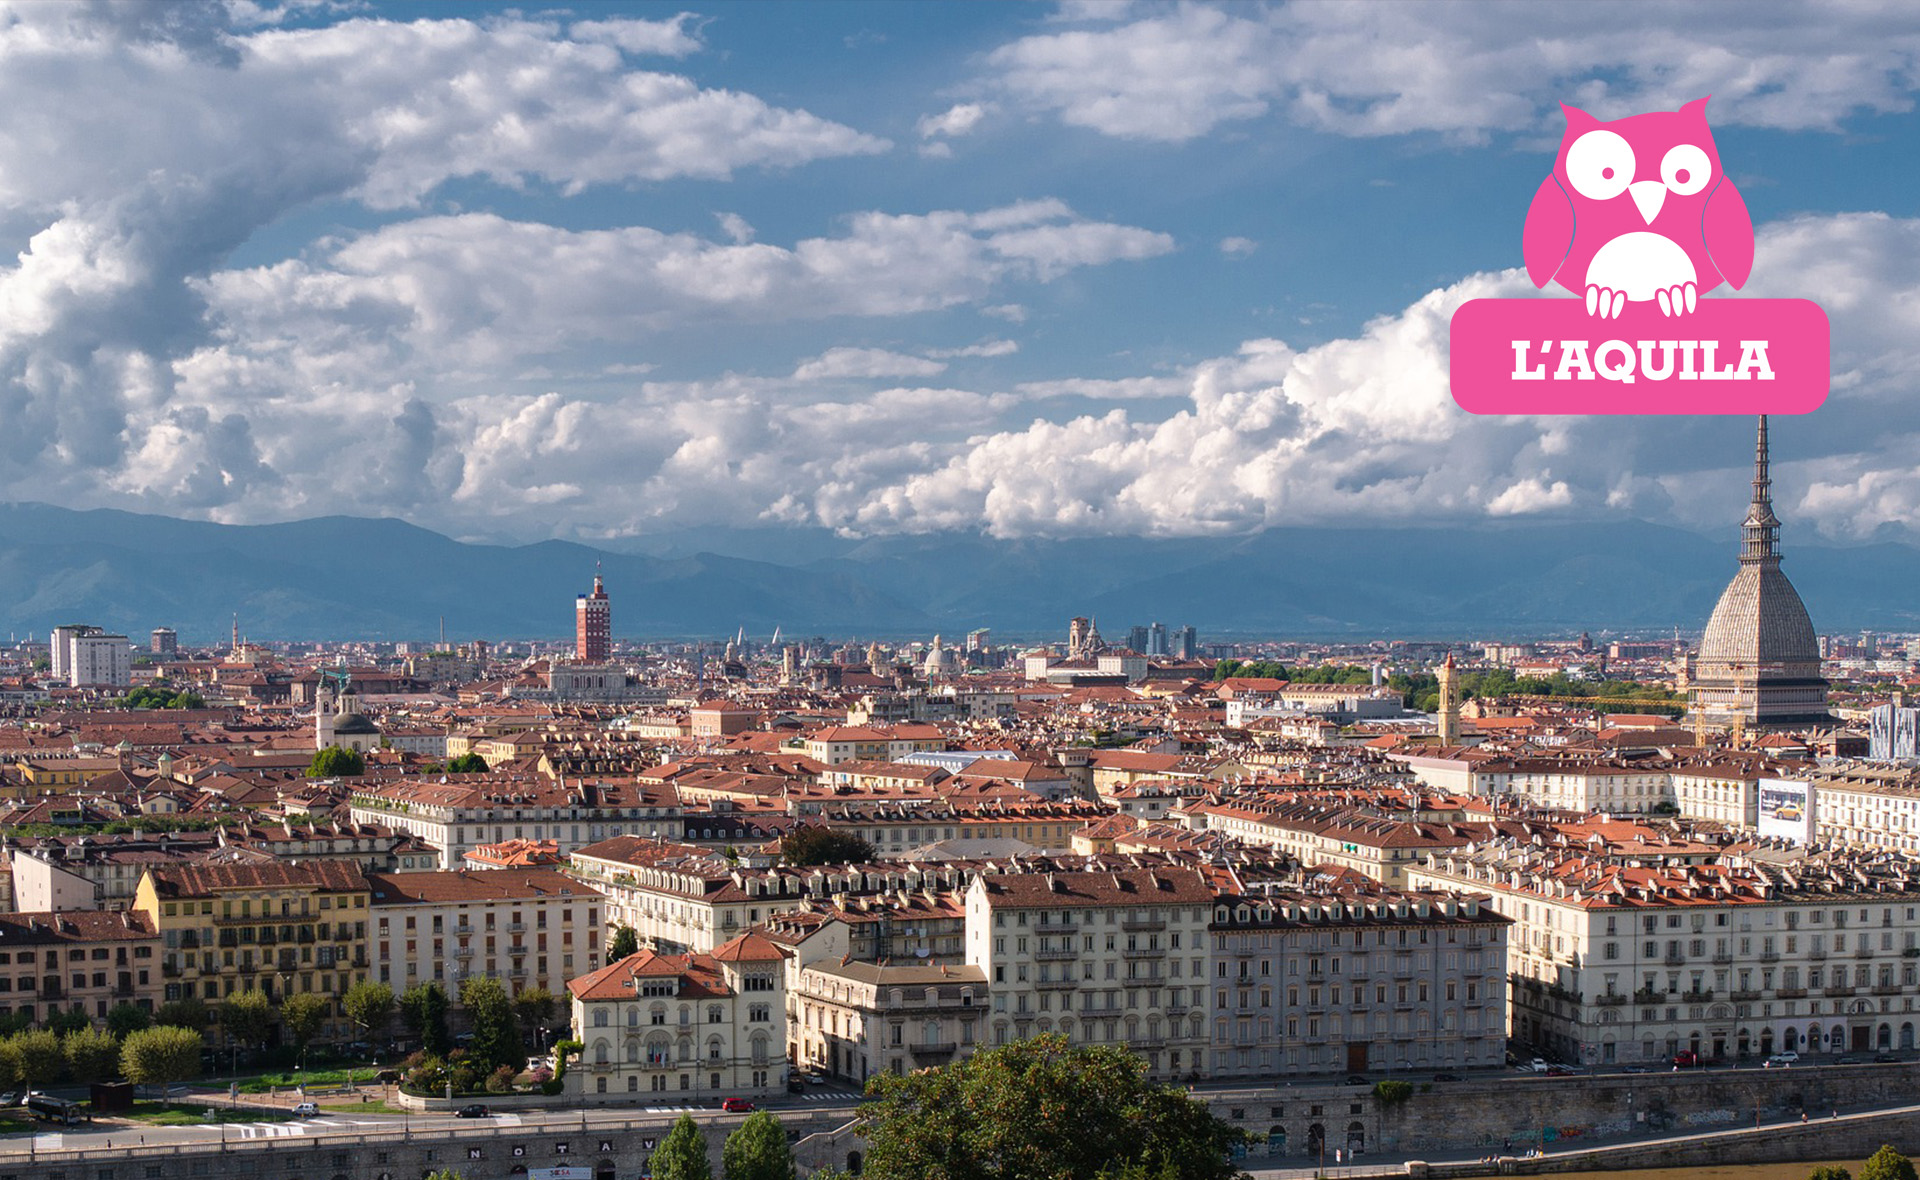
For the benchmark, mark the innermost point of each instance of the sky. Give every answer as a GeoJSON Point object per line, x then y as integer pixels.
{"type": "Point", "coordinates": [1033, 270]}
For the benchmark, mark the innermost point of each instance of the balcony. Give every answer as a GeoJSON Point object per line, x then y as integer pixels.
{"type": "Point", "coordinates": [1791, 993]}
{"type": "Point", "coordinates": [1674, 959]}
{"type": "Point", "coordinates": [1769, 956]}
{"type": "Point", "coordinates": [933, 1049]}
{"type": "Point", "coordinates": [1741, 995]}
{"type": "Point", "coordinates": [1863, 952]}
{"type": "Point", "coordinates": [1649, 996]}
{"type": "Point", "coordinates": [1817, 953]}
{"type": "Point", "coordinates": [1840, 990]}
{"type": "Point", "coordinates": [1143, 923]}
{"type": "Point", "coordinates": [1697, 997]}
{"type": "Point", "coordinates": [516, 927]}
{"type": "Point", "coordinates": [1056, 954]}
{"type": "Point", "coordinates": [1056, 984]}
{"type": "Point", "coordinates": [463, 952]}
{"type": "Point", "coordinates": [1610, 1000]}
{"type": "Point", "coordinates": [1142, 952]}
{"type": "Point", "coordinates": [1886, 989]}
{"type": "Point", "coordinates": [1099, 1010]}
{"type": "Point", "coordinates": [516, 951]}
{"type": "Point", "coordinates": [1723, 956]}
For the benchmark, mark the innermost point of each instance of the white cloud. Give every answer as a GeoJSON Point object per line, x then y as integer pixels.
{"type": "Point", "coordinates": [1238, 247]}
{"type": "Point", "coordinates": [1532, 494]}
{"type": "Point", "coordinates": [984, 348]}
{"type": "Point", "coordinates": [866, 362]}
{"type": "Point", "coordinates": [1461, 69]}
{"type": "Point", "coordinates": [955, 121]}
{"type": "Point", "coordinates": [735, 227]}
{"type": "Point", "coordinates": [664, 38]}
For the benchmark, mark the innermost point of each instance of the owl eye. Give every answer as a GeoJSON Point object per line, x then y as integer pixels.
{"type": "Point", "coordinates": [1600, 164]}
{"type": "Point", "coordinates": [1685, 170]}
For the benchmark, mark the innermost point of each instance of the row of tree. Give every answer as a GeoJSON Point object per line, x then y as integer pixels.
{"type": "Point", "coordinates": [157, 1055]}
{"type": "Point", "coordinates": [755, 1150]}
{"type": "Point", "coordinates": [1885, 1164]}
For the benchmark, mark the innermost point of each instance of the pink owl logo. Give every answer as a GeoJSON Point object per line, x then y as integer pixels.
{"type": "Point", "coordinates": [1640, 220]}
{"type": "Point", "coordinates": [1638, 211]}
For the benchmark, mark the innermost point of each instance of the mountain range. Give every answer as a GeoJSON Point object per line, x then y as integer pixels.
{"type": "Point", "coordinates": [347, 578]}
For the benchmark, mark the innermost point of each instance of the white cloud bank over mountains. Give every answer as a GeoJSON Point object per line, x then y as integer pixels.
{"type": "Point", "coordinates": [383, 371]}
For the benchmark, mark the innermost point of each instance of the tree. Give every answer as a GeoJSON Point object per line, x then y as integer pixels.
{"type": "Point", "coordinates": [682, 1155]}
{"type": "Point", "coordinates": [1830, 1172]}
{"type": "Point", "coordinates": [757, 1150]}
{"type": "Point", "coordinates": [189, 1012]}
{"type": "Point", "coordinates": [467, 764]}
{"type": "Point", "coordinates": [424, 1009]}
{"type": "Point", "coordinates": [445, 1174]}
{"type": "Point", "coordinates": [496, 1034]}
{"type": "Point", "coordinates": [369, 1005]}
{"type": "Point", "coordinates": [161, 1056]}
{"type": "Point", "coordinates": [128, 1018]}
{"type": "Point", "coordinates": [61, 1022]}
{"type": "Point", "coordinates": [247, 1016]}
{"type": "Point", "coordinates": [93, 1055]}
{"type": "Point", "coordinates": [816, 845]}
{"type": "Point", "coordinates": [534, 1007]}
{"type": "Point", "coordinates": [303, 1014]}
{"type": "Point", "coordinates": [337, 762]}
{"type": "Point", "coordinates": [33, 1057]}
{"type": "Point", "coordinates": [626, 941]}
{"type": "Point", "coordinates": [1887, 1164]}
{"type": "Point", "coordinates": [1040, 1108]}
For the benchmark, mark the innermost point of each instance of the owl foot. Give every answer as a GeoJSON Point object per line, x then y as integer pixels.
{"type": "Point", "coordinates": [1605, 303]}
{"type": "Point", "coordinates": [1678, 300]}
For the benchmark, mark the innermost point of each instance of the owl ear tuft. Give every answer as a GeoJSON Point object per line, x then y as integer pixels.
{"type": "Point", "coordinates": [1577, 117]}
{"type": "Point", "coordinates": [1697, 107]}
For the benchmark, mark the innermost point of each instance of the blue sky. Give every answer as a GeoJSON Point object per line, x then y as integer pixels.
{"type": "Point", "coordinates": [1033, 269]}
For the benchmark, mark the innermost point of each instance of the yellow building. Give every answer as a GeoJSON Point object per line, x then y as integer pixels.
{"type": "Point", "coordinates": [281, 928]}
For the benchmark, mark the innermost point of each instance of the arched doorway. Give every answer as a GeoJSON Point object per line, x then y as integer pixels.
{"type": "Point", "coordinates": [1766, 1042]}
{"type": "Point", "coordinates": [1356, 1137]}
{"type": "Point", "coordinates": [1886, 1036]}
{"type": "Point", "coordinates": [605, 1171]}
{"type": "Point", "coordinates": [1276, 1140]}
{"type": "Point", "coordinates": [1316, 1139]}
{"type": "Point", "coordinates": [854, 1163]}
{"type": "Point", "coordinates": [1745, 1042]}
{"type": "Point", "coordinates": [1790, 1040]}
{"type": "Point", "coordinates": [1906, 1035]}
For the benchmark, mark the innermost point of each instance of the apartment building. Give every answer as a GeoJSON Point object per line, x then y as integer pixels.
{"type": "Point", "coordinates": [1317, 983]}
{"type": "Point", "coordinates": [1319, 833]}
{"type": "Point", "coordinates": [85, 961]}
{"type": "Point", "coordinates": [525, 927]}
{"type": "Point", "coordinates": [693, 1027]}
{"type": "Point", "coordinates": [1631, 960]}
{"type": "Point", "coordinates": [470, 810]}
{"type": "Point", "coordinates": [1117, 957]}
{"type": "Point", "coordinates": [280, 928]}
{"type": "Point", "coordinates": [856, 1019]}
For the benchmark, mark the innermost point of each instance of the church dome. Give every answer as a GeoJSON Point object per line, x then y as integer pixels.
{"type": "Point", "coordinates": [1759, 620]}
{"type": "Point", "coordinates": [354, 723]}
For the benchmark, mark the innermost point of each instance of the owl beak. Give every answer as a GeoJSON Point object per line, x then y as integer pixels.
{"type": "Point", "coordinates": [1649, 195]}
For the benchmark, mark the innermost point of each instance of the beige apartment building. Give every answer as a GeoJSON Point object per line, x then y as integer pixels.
{"type": "Point", "coordinates": [524, 927]}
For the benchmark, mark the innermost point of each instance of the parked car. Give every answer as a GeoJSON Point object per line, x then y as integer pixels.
{"type": "Point", "coordinates": [818, 1078]}
{"type": "Point", "coordinates": [1446, 1077]}
{"type": "Point", "coordinates": [1538, 1065]}
{"type": "Point", "coordinates": [738, 1106]}
{"type": "Point", "coordinates": [1849, 1060]}
{"type": "Point", "coordinates": [1884, 1059]}
{"type": "Point", "coordinates": [472, 1110]}
{"type": "Point", "coordinates": [1686, 1059]}
{"type": "Point", "coordinates": [1638, 1069]}
{"type": "Point", "coordinates": [307, 1110]}
{"type": "Point", "coordinates": [1357, 1080]}
{"type": "Point", "coordinates": [1782, 1060]}
{"type": "Point", "coordinates": [1560, 1071]}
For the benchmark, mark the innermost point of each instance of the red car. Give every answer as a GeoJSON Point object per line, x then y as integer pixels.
{"type": "Point", "coordinates": [1686, 1059]}
{"type": "Point", "coordinates": [738, 1106]}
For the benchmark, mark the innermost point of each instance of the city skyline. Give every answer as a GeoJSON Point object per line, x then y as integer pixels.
{"type": "Point", "coordinates": [1033, 271]}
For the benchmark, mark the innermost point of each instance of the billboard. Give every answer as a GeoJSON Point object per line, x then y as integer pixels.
{"type": "Point", "coordinates": [1895, 733]}
{"type": "Point", "coordinates": [1786, 809]}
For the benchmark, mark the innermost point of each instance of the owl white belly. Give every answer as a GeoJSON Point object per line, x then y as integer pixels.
{"type": "Point", "coordinates": [1640, 264]}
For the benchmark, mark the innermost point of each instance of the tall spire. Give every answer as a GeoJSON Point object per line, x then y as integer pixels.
{"type": "Point", "coordinates": [1761, 529]}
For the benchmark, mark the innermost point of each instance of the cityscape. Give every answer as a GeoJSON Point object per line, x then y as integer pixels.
{"type": "Point", "coordinates": [823, 590]}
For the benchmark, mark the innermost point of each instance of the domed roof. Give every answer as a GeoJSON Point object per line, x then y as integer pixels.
{"type": "Point", "coordinates": [1759, 620]}
{"type": "Point", "coordinates": [354, 723]}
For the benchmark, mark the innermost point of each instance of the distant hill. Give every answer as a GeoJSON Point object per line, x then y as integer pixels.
{"type": "Point", "coordinates": [341, 577]}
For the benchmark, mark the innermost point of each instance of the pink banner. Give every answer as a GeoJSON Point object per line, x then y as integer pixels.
{"type": "Point", "coordinates": [1729, 356]}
